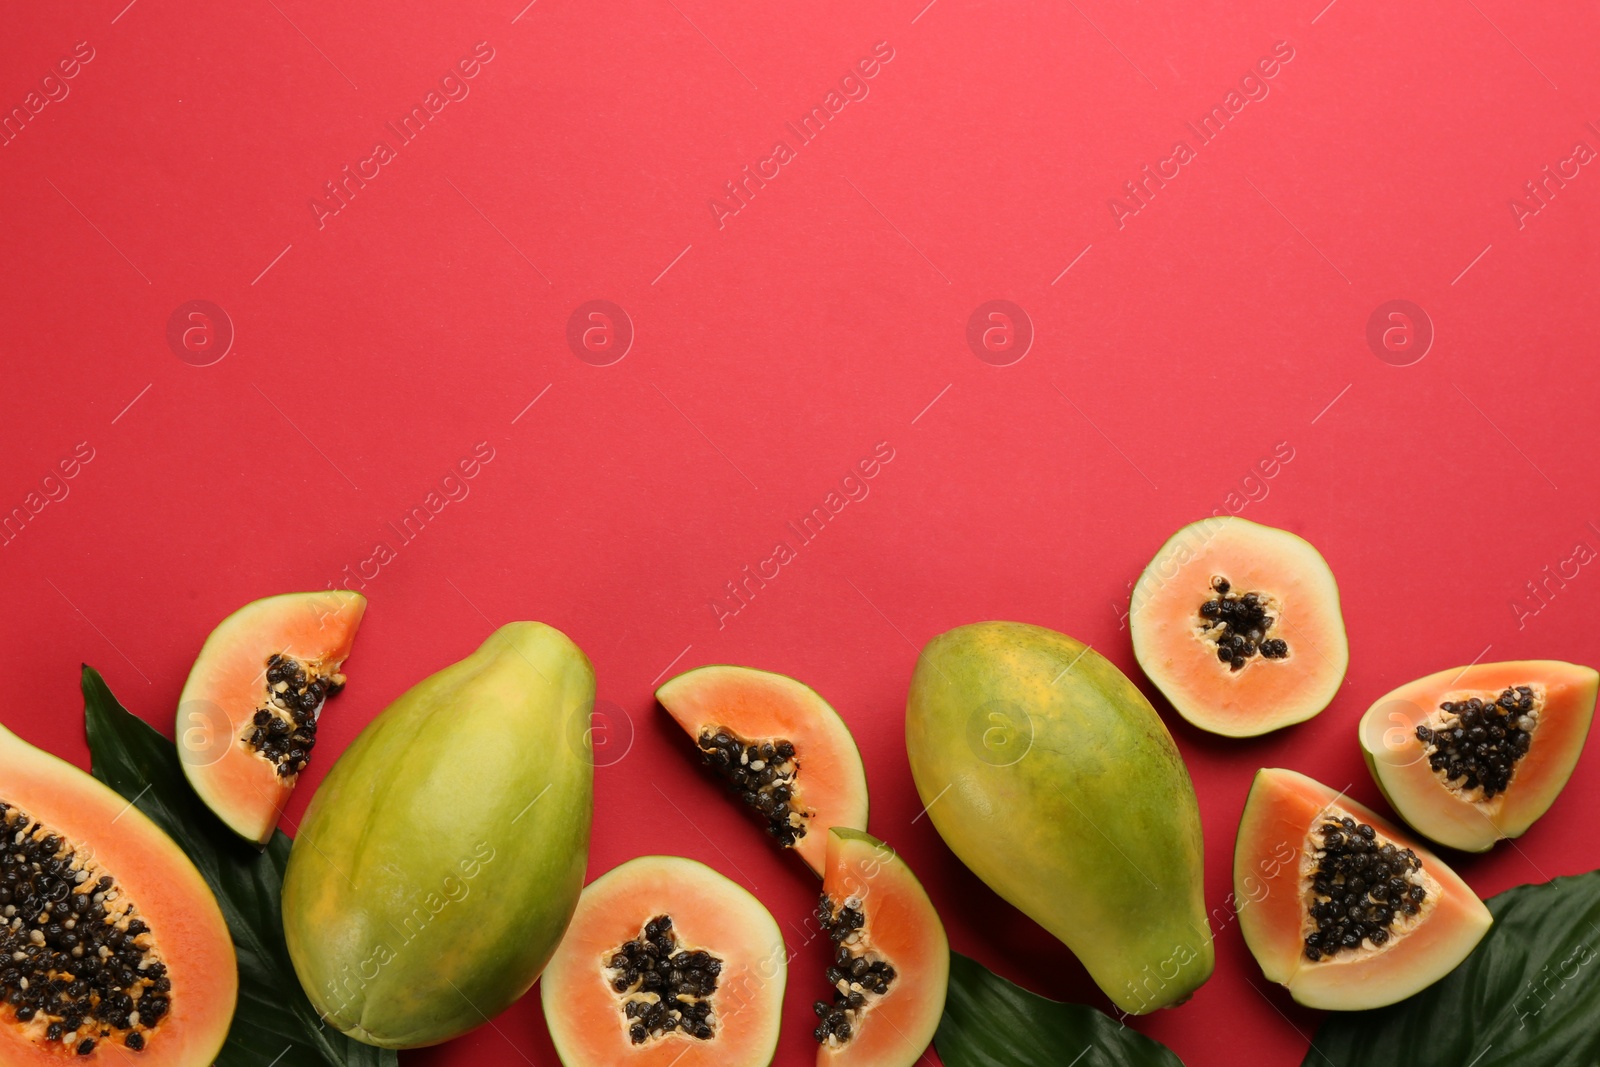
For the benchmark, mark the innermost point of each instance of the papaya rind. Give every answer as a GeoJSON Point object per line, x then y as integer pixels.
{"type": "Point", "coordinates": [1077, 830]}
{"type": "Point", "coordinates": [688, 698]}
{"type": "Point", "coordinates": [1166, 665]}
{"type": "Point", "coordinates": [440, 860]}
{"type": "Point", "coordinates": [1399, 766]}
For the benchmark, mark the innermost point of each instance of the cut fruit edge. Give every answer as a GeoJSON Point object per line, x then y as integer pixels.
{"type": "Point", "coordinates": [757, 705]}
{"type": "Point", "coordinates": [227, 685]}
{"type": "Point", "coordinates": [1271, 895]}
{"type": "Point", "coordinates": [903, 927]}
{"type": "Point", "coordinates": [710, 913]}
{"type": "Point", "coordinates": [1398, 760]}
{"type": "Point", "coordinates": [1181, 660]}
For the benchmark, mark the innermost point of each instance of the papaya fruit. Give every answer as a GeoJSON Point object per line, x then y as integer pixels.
{"type": "Point", "coordinates": [1338, 905]}
{"type": "Point", "coordinates": [1475, 754]}
{"type": "Point", "coordinates": [779, 746]}
{"type": "Point", "coordinates": [247, 719]}
{"type": "Point", "coordinates": [441, 859]}
{"type": "Point", "coordinates": [116, 950]}
{"type": "Point", "coordinates": [1238, 624]}
{"type": "Point", "coordinates": [666, 963]}
{"type": "Point", "coordinates": [890, 969]}
{"type": "Point", "coordinates": [1049, 774]}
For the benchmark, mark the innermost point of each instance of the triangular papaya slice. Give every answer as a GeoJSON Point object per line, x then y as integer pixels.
{"type": "Point", "coordinates": [779, 746]}
{"type": "Point", "coordinates": [1340, 906]}
{"type": "Point", "coordinates": [247, 719]}
{"type": "Point", "coordinates": [1473, 755]}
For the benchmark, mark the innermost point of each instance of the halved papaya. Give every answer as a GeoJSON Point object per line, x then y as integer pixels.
{"type": "Point", "coordinates": [666, 962]}
{"type": "Point", "coordinates": [1475, 754]}
{"type": "Point", "coordinates": [779, 746]}
{"type": "Point", "coordinates": [891, 964]}
{"type": "Point", "coordinates": [247, 718]}
{"type": "Point", "coordinates": [115, 948]}
{"type": "Point", "coordinates": [1338, 905]}
{"type": "Point", "coordinates": [1239, 625]}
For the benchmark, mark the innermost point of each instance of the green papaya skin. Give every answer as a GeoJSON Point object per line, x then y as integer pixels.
{"type": "Point", "coordinates": [1050, 775]}
{"type": "Point", "coordinates": [439, 863]}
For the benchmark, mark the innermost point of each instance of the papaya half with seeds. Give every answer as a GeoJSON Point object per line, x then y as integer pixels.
{"type": "Point", "coordinates": [1238, 624]}
{"type": "Point", "coordinates": [1049, 774]}
{"type": "Point", "coordinates": [248, 716]}
{"type": "Point", "coordinates": [441, 859]}
{"type": "Point", "coordinates": [115, 948]}
{"type": "Point", "coordinates": [1475, 754]}
{"type": "Point", "coordinates": [1339, 906]}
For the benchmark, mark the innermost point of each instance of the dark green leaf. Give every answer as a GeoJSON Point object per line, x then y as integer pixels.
{"type": "Point", "coordinates": [1528, 995]}
{"type": "Point", "coordinates": [275, 1023]}
{"type": "Point", "coordinates": [990, 1022]}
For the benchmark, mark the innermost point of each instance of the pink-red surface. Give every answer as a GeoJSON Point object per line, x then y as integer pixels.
{"type": "Point", "coordinates": [1223, 320]}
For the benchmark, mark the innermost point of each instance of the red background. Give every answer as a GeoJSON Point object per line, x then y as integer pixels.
{"type": "Point", "coordinates": [1223, 318]}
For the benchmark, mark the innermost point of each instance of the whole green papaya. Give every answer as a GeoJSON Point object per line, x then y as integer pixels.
{"type": "Point", "coordinates": [440, 861]}
{"type": "Point", "coordinates": [1050, 775]}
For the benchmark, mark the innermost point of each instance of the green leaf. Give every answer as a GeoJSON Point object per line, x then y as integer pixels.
{"type": "Point", "coordinates": [274, 1023]}
{"type": "Point", "coordinates": [990, 1022]}
{"type": "Point", "coordinates": [1528, 994]}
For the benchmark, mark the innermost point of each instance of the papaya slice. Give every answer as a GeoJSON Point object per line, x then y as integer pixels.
{"type": "Point", "coordinates": [115, 948]}
{"type": "Point", "coordinates": [1475, 754]}
{"type": "Point", "coordinates": [1338, 905]}
{"type": "Point", "coordinates": [779, 746]}
{"type": "Point", "coordinates": [891, 960]}
{"type": "Point", "coordinates": [247, 718]}
{"type": "Point", "coordinates": [666, 963]}
{"type": "Point", "coordinates": [1238, 624]}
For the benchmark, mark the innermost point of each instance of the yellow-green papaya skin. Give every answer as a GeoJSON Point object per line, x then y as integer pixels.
{"type": "Point", "coordinates": [1050, 776]}
{"type": "Point", "coordinates": [439, 863]}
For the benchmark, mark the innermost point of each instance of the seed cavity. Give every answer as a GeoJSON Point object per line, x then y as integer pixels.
{"type": "Point", "coordinates": [1238, 624]}
{"type": "Point", "coordinates": [1475, 744]}
{"type": "Point", "coordinates": [283, 730]}
{"type": "Point", "coordinates": [857, 975]}
{"type": "Point", "coordinates": [763, 773]}
{"type": "Point", "coordinates": [1362, 892]}
{"type": "Point", "coordinates": [664, 989]}
{"type": "Point", "coordinates": [78, 964]}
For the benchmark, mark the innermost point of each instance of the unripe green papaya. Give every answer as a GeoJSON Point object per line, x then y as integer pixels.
{"type": "Point", "coordinates": [440, 861]}
{"type": "Point", "coordinates": [1050, 775]}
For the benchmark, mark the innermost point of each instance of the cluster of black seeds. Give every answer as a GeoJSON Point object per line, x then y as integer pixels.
{"type": "Point", "coordinates": [76, 961]}
{"type": "Point", "coordinates": [665, 989]}
{"type": "Point", "coordinates": [1359, 888]}
{"type": "Point", "coordinates": [284, 728]}
{"type": "Point", "coordinates": [855, 976]}
{"type": "Point", "coordinates": [763, 774]}
{"type": "Point", "coordinates": [1239, 624]}
{"type": "Point", "coordinates": [1481, 741]}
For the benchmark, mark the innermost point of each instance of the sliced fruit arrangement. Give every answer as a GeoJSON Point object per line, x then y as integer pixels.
{"type": "Point", "coordinates": [1050, 775]}
{"type": "Point", "coordinates": [248, 716]}
{"type": "Point", "coordinates": [1238, 624]}
{"type": "Point", "coordinates": [441, 859]}
{"type": "Point", "coordinates": [116, 950]}
{"type": "Point", "coordinates": [779, 746]}
{"type": "Point", "coordinates": [891, 960]}
{"type": "Point", "coordinates": [1338, 905]}
{"type": "Point", "coordinates": [666, 962]}
{"type": "Point", "coordinates": [1475, 754]}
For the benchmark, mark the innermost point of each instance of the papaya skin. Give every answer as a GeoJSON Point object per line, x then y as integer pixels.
{"type": "Point", "coordinates": [441, 860]}
{"type": "Point", "coordinates": [1050, 776]}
